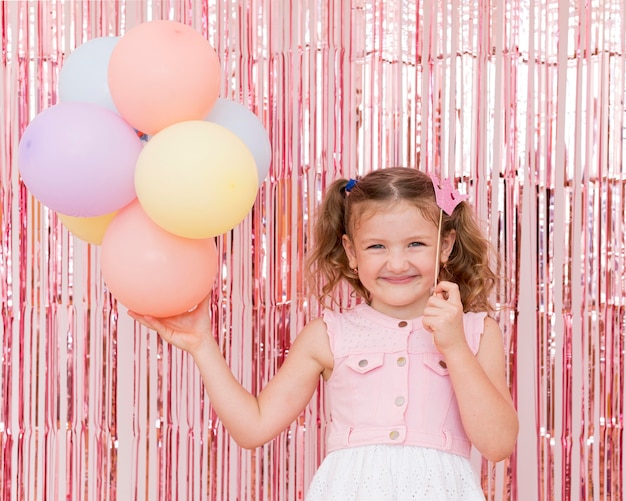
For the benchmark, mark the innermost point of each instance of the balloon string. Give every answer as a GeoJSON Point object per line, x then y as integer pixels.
{"type": "Point", "coordinates": [438, 246]}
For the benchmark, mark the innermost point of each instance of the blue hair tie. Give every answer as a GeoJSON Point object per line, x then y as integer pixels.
{"type": "Point", "coordinates": [351, 184]}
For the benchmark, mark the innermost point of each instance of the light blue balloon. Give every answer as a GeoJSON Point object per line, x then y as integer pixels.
{"type": "Point", "coordinates": [246, 126]}
{"type": "Point", "coordinates": [84, 76]}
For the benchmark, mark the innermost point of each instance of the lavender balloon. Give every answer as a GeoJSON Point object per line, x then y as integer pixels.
{"type": "Point", "coordinates": [79, 159]}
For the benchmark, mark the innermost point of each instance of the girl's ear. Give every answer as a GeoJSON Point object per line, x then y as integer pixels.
{"type": "Point", "coordinates": [348, 246]}
{"type": "Point", "coordinates": [447, 244]}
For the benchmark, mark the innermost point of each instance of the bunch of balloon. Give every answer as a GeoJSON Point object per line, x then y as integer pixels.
{"type": "Point", "coordinates": [141, 157]}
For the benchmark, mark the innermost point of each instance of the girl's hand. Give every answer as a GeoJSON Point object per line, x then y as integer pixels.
{"type": "Point", "coordinates": [443, 316]}
{"type": "Point", "coordinates": [187, 331]}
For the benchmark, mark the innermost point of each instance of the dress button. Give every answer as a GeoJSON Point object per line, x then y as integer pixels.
{"type": "Point", "coordinates": [401, 361]}
{"type": "Point", "coordinates": [399, 401]}
{"type": "Point", "coordinates": [363, 363]}
{"type": "Point", "coordinates": [394, 435]}
{"type": "Point", "coordinates": [443, 364]}
{"type": "Point", "coordinates": [402, 324]}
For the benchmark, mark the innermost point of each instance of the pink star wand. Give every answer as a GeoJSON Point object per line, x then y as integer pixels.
{"type": "Point", "coordinates": [447, 200]}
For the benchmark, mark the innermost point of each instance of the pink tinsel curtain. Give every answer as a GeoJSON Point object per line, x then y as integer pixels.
{"type": "Point", "coordinates": [521, 102]}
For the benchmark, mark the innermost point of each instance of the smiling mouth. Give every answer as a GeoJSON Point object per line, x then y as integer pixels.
{"type": "Point", "coordinates": [399, 280]}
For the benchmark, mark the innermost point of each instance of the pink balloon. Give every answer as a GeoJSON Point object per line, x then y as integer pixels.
{"type": "Point", "coordinates": [151, 271]}
{"type": "Point", "coordinates": [79, 159]}
{"type": "Point", "coordinates": [162, 73]}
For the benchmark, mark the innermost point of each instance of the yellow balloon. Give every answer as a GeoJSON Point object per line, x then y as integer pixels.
{"type": "Point", "coordinates": [196, 179]}
{"type": "Point", "coordinates": [89, 229]}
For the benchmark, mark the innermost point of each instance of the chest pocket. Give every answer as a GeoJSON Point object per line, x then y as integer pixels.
{"type": "Point", "coordinates": [362, 364]}
{"type": "Point", "coordinates": [436, 363]}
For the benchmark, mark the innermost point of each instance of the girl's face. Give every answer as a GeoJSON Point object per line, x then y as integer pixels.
{"type": "Point", "coordinates": [394, 250]}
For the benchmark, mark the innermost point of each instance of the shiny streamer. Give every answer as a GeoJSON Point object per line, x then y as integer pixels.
{"type": "Point", "coordinates": [521, 102]}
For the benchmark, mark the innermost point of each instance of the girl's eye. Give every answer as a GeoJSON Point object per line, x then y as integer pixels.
{"type": "Point", "coordinates": [375, 246]}
{"type": "Point", "coordinates": [416, 244]}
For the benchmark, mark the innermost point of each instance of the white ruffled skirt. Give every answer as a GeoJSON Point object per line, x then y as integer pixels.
{"type": "Point", "coordinates": [394, 473]}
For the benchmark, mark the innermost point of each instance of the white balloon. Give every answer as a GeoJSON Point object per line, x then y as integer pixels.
{"type": "Point", "coordinates": [84, 76]}
{"type": "Point", "coordinates": [248, 127]}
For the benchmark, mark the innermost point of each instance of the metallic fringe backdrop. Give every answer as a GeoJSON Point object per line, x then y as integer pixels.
{"type": "Point", "coordinates": [522, 102]}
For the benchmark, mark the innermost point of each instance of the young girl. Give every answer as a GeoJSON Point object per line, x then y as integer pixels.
{"type": "Point", "coordinates": [414, 375]}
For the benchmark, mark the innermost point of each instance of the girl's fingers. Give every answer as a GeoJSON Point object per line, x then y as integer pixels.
{"type": "Point", "coordinates": [146, 321]}
{"type": "Point", "coordinates": [443, 306]}
{"type": "Point", "coordinates": [448, 291]}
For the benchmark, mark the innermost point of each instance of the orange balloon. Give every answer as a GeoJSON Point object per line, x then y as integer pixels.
{"type": "Point", "coordinates": [163, 72]}
{"type": "Point", "coordinates": [151, 271]}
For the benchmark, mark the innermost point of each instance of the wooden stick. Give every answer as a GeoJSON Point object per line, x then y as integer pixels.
{"type": "Point", "coordinates": [438, 246]}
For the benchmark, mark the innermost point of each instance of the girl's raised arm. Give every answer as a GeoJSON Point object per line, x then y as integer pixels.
{"type": "Point", "coordinates": [479, 381]}
{"type": "Point", "coordinates": [251, 420]}
{"type": "Point", "coordinates": [489, 417]}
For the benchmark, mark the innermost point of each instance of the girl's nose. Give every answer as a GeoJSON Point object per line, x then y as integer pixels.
{"type": "Point", "coordinates": [398, 262]}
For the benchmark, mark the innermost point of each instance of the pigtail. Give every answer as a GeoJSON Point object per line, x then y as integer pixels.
{"type": "Point", "coordinates": [470, 265]}
{"type": "Point", "coordinates": [327, 262]}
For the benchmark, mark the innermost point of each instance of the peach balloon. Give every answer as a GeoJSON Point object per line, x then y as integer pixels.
{"type": "Point", "coordinates": [151, 271]}
{"type": "Point", "coordinates": [89, 229]}
{"type": "Point", "coordinates": [163, 72]}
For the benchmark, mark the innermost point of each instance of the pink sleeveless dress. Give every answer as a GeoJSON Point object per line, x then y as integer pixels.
{"type": "Point", "coordinates": [393, 427]}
